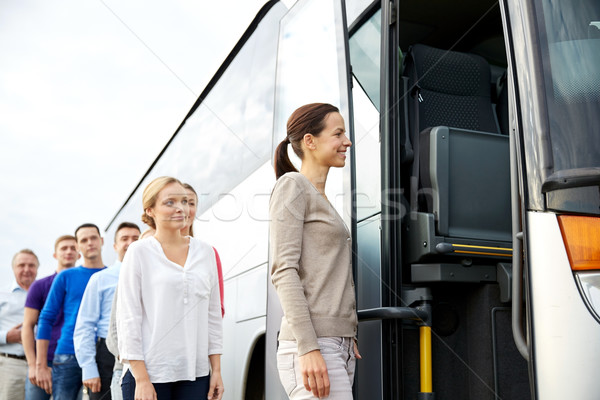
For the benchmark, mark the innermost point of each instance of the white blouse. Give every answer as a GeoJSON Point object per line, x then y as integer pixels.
{"type": "Point", "coordinates": [169, 316]}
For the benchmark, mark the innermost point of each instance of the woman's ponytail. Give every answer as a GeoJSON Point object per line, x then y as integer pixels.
{"type": "Point", "coordinates": [282, 160]}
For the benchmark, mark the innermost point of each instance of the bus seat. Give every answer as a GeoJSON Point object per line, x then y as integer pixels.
{"type": "Point", "coordinates": [502, 105]}
{"type": "Point", "coordinates": [468, 191]}
{"type": "Point", "coordinates": [460, 183]}
{"type": "Point", "coordinates": [452, 89]}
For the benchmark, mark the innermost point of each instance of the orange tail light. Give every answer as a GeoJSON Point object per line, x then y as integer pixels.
{"type": "Point", "coordinates": [582, 239]}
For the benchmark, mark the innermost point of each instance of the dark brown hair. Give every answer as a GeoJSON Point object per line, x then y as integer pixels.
{"type": "Point", "coordinates": [309, 118]}
{"type": "Point", "coordinates": [124, 225]}
{"type": "Point", "coordinates": [88, 225]}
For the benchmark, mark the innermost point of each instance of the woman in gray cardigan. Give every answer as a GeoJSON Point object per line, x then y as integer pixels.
{"type": "Point", "coordinates": [311, 255]}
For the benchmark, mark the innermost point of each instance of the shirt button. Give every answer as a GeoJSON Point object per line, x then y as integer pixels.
{"type": "Point", "coordinates": [185, 300]}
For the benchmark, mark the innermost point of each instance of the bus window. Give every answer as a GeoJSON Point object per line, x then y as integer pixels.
{"type": "Point", "coordinates": [365, 54]}
{"type": "Point", "coordinates": [364, 58]}
{"type": "Point", "coordinates": [571, 58]}
{"type": "Point", "coordinates": [354, 8]}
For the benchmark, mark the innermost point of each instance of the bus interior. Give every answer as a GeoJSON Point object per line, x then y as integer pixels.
{"type": "Point", "coordinates": [455, 182]}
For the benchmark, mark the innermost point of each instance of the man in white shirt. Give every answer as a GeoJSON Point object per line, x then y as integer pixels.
{"type": "Point", "coordinates": [13, 365]}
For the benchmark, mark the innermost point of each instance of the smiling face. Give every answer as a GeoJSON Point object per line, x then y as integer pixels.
{"type": "Point", "coordinates": [330, 146]}
{"type": "Point", "coordinates": [25, 267]}
{"type": "Point", "coordinates": [171, 209]}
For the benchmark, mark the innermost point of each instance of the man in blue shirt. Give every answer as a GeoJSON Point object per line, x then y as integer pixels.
{"type": "Point", "coordinates": [93, 320]}
{"type": "Point", "coordinates": [64, 380]}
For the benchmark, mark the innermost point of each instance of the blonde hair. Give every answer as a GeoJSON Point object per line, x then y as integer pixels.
{"type": "Point", "coordinates": [151, 193]}
{"type": "Point", "coordinates": [64, 237]}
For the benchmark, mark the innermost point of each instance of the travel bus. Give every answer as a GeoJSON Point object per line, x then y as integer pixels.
{"type": "Point", "coordinates": [471, 191]}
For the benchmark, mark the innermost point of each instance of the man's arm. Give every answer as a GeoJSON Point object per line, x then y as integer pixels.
{"type": "Point", "coordinates": [43, 373]}
{"type": "Point", "coordinates": [13, 335]}
{"type": "Point", "coordinates": [84, 336]}
{"type": "Point", "coordinates": [48, 315]}
{"type": "Point", "coordinates": [30, 318]}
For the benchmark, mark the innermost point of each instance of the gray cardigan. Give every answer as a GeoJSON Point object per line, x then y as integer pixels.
{"type": "Point", "coordinates": [112, 342]}
{"type": "Point", "coordinates": [311, 264]}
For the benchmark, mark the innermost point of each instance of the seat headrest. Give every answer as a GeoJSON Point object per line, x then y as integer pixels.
{"type": "Point", "coordinates": [451, 72]}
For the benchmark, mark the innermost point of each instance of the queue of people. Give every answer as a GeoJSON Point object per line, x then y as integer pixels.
{"type": "Point", "coordinates": [150, 326]}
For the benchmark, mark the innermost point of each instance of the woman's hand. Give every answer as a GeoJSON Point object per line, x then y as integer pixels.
{"type": "Point", "coordinates": [314, 373]}
{"type": "Point", "coordinates": [356, 353]}
{"type": "Point", "coordinates": [216, 389]}
{"type": "Point", "coordinates": [144, 390]}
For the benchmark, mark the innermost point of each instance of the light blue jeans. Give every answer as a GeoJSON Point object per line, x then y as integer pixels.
{"type": "Point", "coordinates": [338, 354]}
{"type": "Point", "coordinates": [115, 386]}
{"type": "Point", "coordinates": [66, 377]}
{"type": "Point", "coordinates": [33, 392]}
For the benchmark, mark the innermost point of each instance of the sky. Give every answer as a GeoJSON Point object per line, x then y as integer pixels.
{"type": "Point", "coordinates": [90, 92]}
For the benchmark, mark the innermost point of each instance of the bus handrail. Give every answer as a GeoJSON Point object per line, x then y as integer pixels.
{"type": "Point", "coordinates": [373, 314]}
{"type": "Point", "coordinates": [517, 257]}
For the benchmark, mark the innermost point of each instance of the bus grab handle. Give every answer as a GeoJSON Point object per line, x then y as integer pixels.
{"type": "Point", "coordinates": [517, 257]}
{"type": "Point", "coordinates": [373, 314]}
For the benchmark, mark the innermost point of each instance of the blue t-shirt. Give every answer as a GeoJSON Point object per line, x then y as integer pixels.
{"type": "Point", "coordinates": [65, 294]}
{"type": "Point", "coordinates": [36, 298]}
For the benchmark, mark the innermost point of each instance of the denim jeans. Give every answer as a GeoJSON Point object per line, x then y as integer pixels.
{"type": "Point", "coordinates": [115, 385]}
{"type": "Point", "coordinates": [338, 354]}
{"type": "Point", "coordinates": [180, 390]}
{"type": "Point", "coordinates": [66, 377]}
{"type": "Point", "coordinates": [34, 392]}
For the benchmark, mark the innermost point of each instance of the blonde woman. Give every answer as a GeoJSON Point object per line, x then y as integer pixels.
{"type": "Point", "coordinates": [169, 322]}
{"type": "Point", "coordinates": [311, 260]}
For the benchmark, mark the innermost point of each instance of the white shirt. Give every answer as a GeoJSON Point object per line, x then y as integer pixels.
{"type": "Point", "coordinates": [169, 316]}
{"type": "Point", "coordinates": [12, 309]}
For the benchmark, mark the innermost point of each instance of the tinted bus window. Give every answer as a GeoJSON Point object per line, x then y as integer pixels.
{"type": "Point", "coordinates": [570, 33]}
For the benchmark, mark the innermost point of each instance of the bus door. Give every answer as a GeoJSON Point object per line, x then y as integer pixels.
{"type": "Point", "coordinates": [554, 81]}
{"type": "Point", "coordinates": [385, 305]}
{"type": "Point", "coordinates": [442, 270]}
{"type": "Point", "coordinates": [311, 67]}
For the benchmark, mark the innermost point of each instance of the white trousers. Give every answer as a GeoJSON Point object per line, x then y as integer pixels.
{"type": "Point", "coordinates": [13, 373]}
{"type": "Point", "coordinates": [338, 354]}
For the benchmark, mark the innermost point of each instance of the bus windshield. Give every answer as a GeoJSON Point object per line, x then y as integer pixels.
{"type": "Point", "coordinates": [569, 32]}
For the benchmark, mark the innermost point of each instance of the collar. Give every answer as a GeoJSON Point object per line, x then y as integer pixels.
{"type": "Point", "coordinates": [14, 287]}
